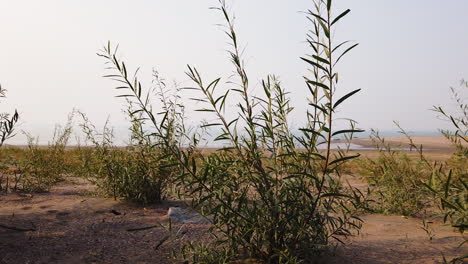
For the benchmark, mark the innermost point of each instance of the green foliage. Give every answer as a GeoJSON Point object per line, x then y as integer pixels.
{"type": "Point", "coordinates": [36, 168]}
{"type": "Point", "coordinates": [453, 192]}
{"type": "Point", "coordinates": [10, 169]}
{"type": "Point", "coordinates": [406, 186]}
{"type": "Point", "coordinates": [269, 199]}
{"type": "Point", "coordinates": [396, 179]}
{"type": "Point", "coordinates": [46, 166]}
{"type": "Point", "coordinates": [7, 122]}
{"type": "Point", "coordinates": [7, 126]}
{"type": "Point", "coordinates": [142, 171]}
{"type": "Point", "coordinates": [459, 120]}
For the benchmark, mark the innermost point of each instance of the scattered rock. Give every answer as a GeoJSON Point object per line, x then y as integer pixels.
{"type": "Point", "coordinates": [187, 216]}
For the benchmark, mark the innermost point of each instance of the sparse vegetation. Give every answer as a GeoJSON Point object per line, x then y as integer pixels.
{"type": "Point", "coordinates": [409, 185]}
{"type": "Point", "coordinates": [37, 168]}
{"type": "Point", "coordinates": [396, 178]}
{"type": "Point", "coordinates": [269, 193]}
{"type": "Point", "coordinates": [143, 171]}
{"type": "Point", "coordinates": [452, 193]}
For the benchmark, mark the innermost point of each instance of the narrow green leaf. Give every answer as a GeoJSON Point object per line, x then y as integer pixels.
{"type": "Point", "coordinates": [320, 59]}
{"type": "Point", "coordinates": [317, 16]}
{"type": "Point", "coordinates": [335, 195]}
{"type": "Point", "coordinates": [318, 84]}
{"type": "Point", "coordinates": [344, 52]}
{"type": "Point", "coordinates": [315, 64]}
{"type": "Point", "coordinates": [325, 29]}
{"type": "Point", "coordinates": [124, 69]}
{"type": "Point", "coordinates": [343, 159]}
{"type": "Point", "coordinates": [342, 99]}
{"type": "Point", "coordinates": [318, 107]}
{"type": "Point", "coordinates": [339, 45]}
{"type": "Point", "coordinates": [340, 16]}
{"type": "Point", "coordinates": [447, 184]}
{"type": "Point", "coordinates": [210, 125]}
{"type": "Point", "coordinates": [347, 131]}
{"type": "Point", "coordinates": [205, 110]}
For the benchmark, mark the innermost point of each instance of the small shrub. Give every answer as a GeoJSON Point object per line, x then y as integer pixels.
{"type": "Point", "coordinates": [396, 179]}
{"type": "Point", "coordinates": [36, 168]}
{"type": "Point", "coordinates": [42, 167]}
{"type": "Point", "coordinates": [10, 168]}
{"type": "Point", "coordinates": [142, 171]}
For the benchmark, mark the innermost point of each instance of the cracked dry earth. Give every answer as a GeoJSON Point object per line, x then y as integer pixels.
{"type": "Point", "coordinates": [67, 225]}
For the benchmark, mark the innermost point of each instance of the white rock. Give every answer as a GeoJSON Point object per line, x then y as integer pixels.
{"type": "Point", "coordinates": [187, 216]}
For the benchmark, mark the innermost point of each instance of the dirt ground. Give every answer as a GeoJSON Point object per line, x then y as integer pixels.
{"type": "Point", "coordinates": [428, 142]}
{"type": "Point", "coordinates": [68, 225]}
{"type": "Point", "coordinates": [72, 227]}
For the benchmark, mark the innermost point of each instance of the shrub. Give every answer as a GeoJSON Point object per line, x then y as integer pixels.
{"type": "Point", "coordinates": [10, 168]}
{"type": "Point", "coordinates": [396, 179]}
{"type": "Point", "coordinates": [142, 171]}
{"type": "Point", "coordinates": [452, 192]}
{"type": "Point", "coordinates": [45, 166]}
{"type": "Point", "coordinates": [406, 186]}
{"type": "Point", "coordinates": [269, 200]}
{"type": "Point", "coordinates": [36, 168]}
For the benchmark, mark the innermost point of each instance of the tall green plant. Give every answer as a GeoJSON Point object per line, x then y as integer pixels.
{"type": "Point", "coordinates": [459, 120]}
{"type": "Point", "coordinates": [272, 195]}
{"type": "Point", "coordinates": [452, 193]}
{"type": "Point", "coordinates": [7, 122]}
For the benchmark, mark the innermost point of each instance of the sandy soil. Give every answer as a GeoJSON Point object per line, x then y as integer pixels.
{"type": "Point", "coordinates": [435, 155]}
{"type": "Point", "coordinates": [429, 143]}
{"type": "Point", "coordinates": [397, 239]}
{"type": "Point", "coordinates": [70, 226]}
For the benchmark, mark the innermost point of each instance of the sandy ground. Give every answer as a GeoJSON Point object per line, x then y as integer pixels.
{"type": "Point", "coordinates": [70, 226]}
{"type": "Point", "coordinates": [429, 143]}
{"type": "Point", "coordinates": [397, 239]}
{"type": "Point", "coordinates": [435, 155]}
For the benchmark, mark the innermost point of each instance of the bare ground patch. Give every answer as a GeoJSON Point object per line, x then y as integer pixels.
{"type": "Point", "coordinates": [72, 227]}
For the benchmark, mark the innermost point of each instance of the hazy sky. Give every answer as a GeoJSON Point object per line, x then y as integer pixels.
{"type": "Point", "coordinates": [410, 53]}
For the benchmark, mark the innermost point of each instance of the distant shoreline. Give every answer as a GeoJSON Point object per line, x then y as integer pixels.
{"type": "Point", "coordinates": [429, 143]}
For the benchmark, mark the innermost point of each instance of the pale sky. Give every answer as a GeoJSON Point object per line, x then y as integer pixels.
{"type": "Point", "coordinates": [410, 53]}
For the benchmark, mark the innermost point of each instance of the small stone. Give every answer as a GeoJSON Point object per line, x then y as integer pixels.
{"type": "Point", "coordinates": [187, 216]}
